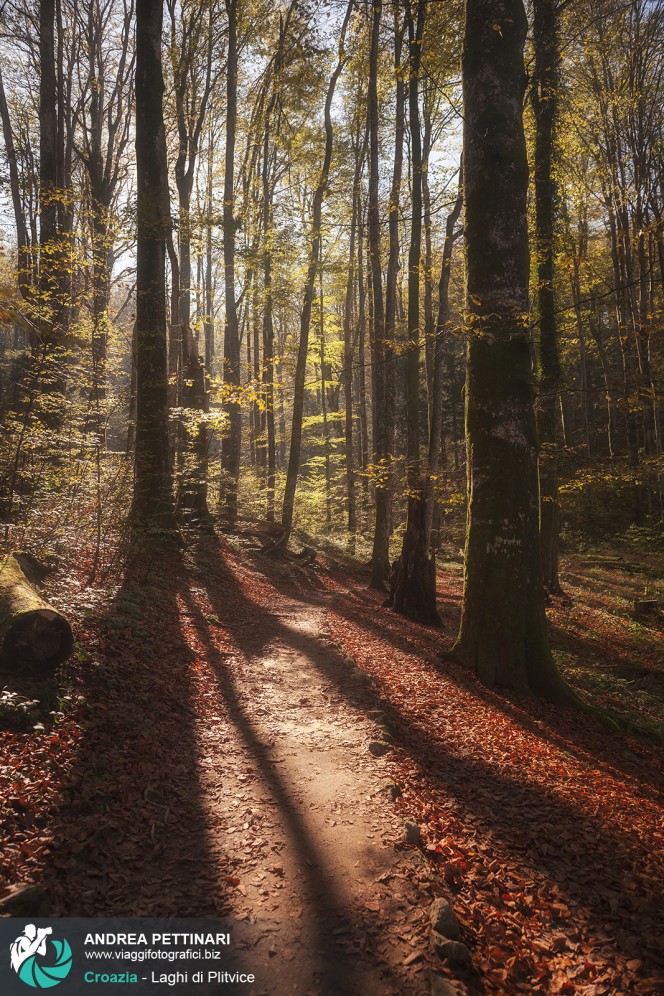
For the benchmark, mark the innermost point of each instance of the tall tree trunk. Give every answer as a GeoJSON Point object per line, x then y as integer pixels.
{"type": "Point", "coordinates": [268, 324]}
{"type": "Point", "coordinates": [351, 497]}
{"type": "Point", "coordinates": [414, 587]}
{"type": "Point", "coordinates": [392, 274]}
{"type": "Point", "coordinates": [324, 407]}
{"type": "Point", "coordinates": [503, 634]}
{"type": "Point", "coordinates": [309, 291]}
{"type": "Point", "coordinates": [232, 441]}
{"type": "Point", "coordinates": [191, 109]}
{"type": "Point", "coordinates": [51, 302]}
{"type": "Point", "coordinates": [208, 324]}
{"type": "Point", "coordinates": [25, 264]}
{"type": "Point", "coordinates": [380, 557]}
{"type": "Point", "coordinates": [437, 361]}
{"type": "Point", "coordinates": [361, 359]}
{"type": "Point", "coordinates": [544, 93]}
{"type": "Point", "coordinates": [152, 506]}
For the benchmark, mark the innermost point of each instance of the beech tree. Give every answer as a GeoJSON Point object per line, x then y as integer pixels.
{"type": "Point", "coordinates": [414, 588]}
{"type": "Point", "coordinates": [309, 290]}
{"type": "Point", "coordinates": [503, 634]}
{"type": "Point", "coordinates": [152, 507]}
{"type": "Point", "coordinates": [354, 432]}
{"type": "Point", "coordinates": [544, 93]}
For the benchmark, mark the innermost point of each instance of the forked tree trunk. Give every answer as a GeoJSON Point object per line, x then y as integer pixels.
{"type": "Point", "coordinates": [503, 634]}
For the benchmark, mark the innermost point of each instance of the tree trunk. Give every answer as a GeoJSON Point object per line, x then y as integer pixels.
{"type": "Point", "coordinates": [268, 324]}
{"type": "Point", "coordinates": [380, 557]}
{"type": "Point", "coordinates": [363, 454]}
{"type": "Point", "coordinates": [414, 588]}
{"type": "Point", "coordinates": [503, 634]}
{"type": "Point", "coordinates": [324, 407]}
{"type": "Point", "coordinates": [544, 93]}
{"type": "Point", "coordinates": [25, 263]}
{"type": "Point", "coordinates": [34, 637]}
{"type": "Point", "coordinates": [232, 441]}
{"type": "Point", "coordinates": [152, 506]}
{"type": "Point", "coordinates": [351, 498]}
{"type": "Point", "coordinates": [437, 359]}
{"type": "Point", "coordinates": [51, 304]}
{"type": "Point", "coordinates": [309, 291]}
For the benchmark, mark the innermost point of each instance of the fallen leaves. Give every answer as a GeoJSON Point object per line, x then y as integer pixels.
{"type": "Point", "coordinates": [550, 846]}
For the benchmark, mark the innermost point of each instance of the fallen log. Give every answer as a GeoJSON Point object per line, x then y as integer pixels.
{"type": "Point", "coordinates": [34, 637]}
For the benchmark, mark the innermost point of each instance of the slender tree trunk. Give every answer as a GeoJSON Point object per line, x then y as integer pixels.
{"type": "Point", "coordinates": [232, 441]}
{"type": "Point", "coordinates": [503, 634]}
{"type": "Point", "coordinates": [25, 263]}
{"type": "Point", "coordinates": [414, 588]}
{"type": "Point", "coordinates": [268, 325]}
{"type": "Point", "coordinates": [544, 93]}
{"type": "Point", "coordinates": [209, 288]}
{"type": "Point", "coordinates": [583, 356]}
{"type": "Point", "coordinates": [309, 291]}
{"type": "Point", "coordinates": [437, 360]}
{"type": "Point", "coordinates": [351, 498]}
{"type": "Point", "coordinates": [51, 302]}
{"type": "Point", "coordinates": [152, 506]}
{"type": "Point", "coordinates": [324, 406]}
{"type": "Point", "coordinates": [380, 558]}
{"type": "Point", "coordinates": [361, 360]}
{"type": "Point", "coordinates": [391, 277]}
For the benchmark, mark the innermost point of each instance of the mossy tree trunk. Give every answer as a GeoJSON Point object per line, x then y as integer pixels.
{"type": "Point", "coordinates": [503, 634]}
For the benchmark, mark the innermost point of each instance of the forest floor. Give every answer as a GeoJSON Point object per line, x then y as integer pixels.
{"type": "Point", "coordinates": [249, 737]}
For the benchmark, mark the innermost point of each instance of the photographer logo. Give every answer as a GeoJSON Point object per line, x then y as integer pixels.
{"type": "Point", "coordinates": [39, 962]}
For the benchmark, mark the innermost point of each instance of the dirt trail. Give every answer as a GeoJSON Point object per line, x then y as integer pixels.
{"type": "Point", "coordinates": [328, 899]}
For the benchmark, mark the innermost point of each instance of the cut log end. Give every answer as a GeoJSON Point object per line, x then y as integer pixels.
{"type": "Point", "coordinates": [38, 640]}
{"type": "Point", "coordinates": [34, 637]}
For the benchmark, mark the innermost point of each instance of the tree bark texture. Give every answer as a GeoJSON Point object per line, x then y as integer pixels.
{"type": "Point", "coordinates": [503, 634]}
{"type": "Point", "coordinates": [153, 502]}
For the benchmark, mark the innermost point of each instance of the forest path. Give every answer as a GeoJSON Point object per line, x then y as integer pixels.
{"type": "Point", "coordinates": [301, 808]}
{"type": "Point", "coordinates": [212, 758]}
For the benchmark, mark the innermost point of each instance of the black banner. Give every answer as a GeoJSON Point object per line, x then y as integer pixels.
{"type": "Point", "coordinates": [76, 956]}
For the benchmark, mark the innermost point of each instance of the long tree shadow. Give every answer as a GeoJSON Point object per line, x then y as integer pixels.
{"type": "Point", "coordinates": [339, 968]}
{"type": "Point", "coordinates": [594, 862]}
{"type": "Point", "coordinates": [130, 833]}
{"type": "Point", "coordinates": [616, 754]}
